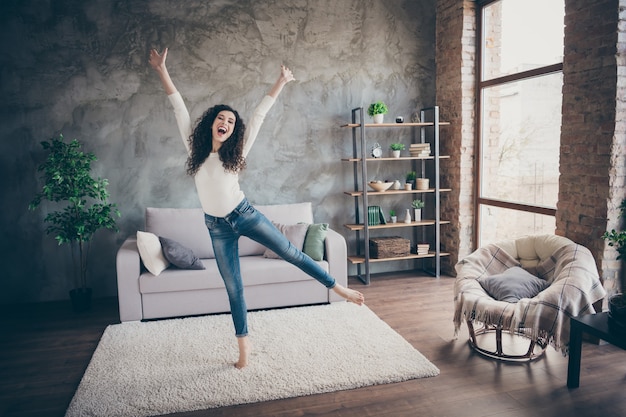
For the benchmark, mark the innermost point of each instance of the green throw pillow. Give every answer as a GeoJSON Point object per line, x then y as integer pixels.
{"type": "Point", "coordinates": [314, 241]}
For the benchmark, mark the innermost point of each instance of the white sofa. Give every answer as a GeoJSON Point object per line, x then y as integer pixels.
{"type": "Point", "coordinates": [268, 282]}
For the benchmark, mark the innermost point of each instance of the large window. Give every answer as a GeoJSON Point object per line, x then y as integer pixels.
{"type": "Point", "coordinates": [519, 126]}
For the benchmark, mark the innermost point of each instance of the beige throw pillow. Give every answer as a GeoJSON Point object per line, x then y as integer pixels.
{"type": "Point", "coordinates": [151, 253]}
{"type": "Point", "coordinates": [294, 232]}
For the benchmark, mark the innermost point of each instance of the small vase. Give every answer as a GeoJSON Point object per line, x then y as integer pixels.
{"type": "Point", "coordinates": [378, 118]}
{"type": "Point", "coordinates": [407, 218]}
{"type": "Point", "coordinates": [396, 185]}
{"type": "Point", "coordinates": [418, 215]}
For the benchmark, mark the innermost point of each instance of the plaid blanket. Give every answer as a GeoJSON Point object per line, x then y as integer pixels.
{"type": "Point", "coordinates": [575, 286]}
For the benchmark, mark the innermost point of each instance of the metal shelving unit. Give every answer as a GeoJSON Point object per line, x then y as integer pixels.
{"type": "Point", "coordinates": [361, 195]}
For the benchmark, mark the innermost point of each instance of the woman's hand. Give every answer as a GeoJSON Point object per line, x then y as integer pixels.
{"type": "Point", "coordinates": [157, 61]}
{"type": "Point", "coordinates": [285, 74]}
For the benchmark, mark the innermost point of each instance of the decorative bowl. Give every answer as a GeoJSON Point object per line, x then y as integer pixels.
{"type": "Point", "coordinates": [380, 186]}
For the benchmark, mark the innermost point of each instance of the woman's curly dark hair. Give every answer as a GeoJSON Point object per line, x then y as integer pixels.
{"type": "Point", "coordinates": [201, 142]}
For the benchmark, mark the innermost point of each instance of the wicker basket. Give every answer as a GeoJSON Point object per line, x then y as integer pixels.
{"type": "Point", "coordinates": [389, 247]}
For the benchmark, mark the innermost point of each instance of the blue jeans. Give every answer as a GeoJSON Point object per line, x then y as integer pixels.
{"type": "Point", "coordinates": [245, 220]}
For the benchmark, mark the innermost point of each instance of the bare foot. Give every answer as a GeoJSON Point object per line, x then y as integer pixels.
{"type": "Point", "coordinates": [245, 347]}
{"type": "Point", "coordinates": [352, 296]}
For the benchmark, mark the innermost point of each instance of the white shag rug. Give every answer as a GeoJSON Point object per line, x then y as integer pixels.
{"type": "Point", "coordinates": [162, 367]}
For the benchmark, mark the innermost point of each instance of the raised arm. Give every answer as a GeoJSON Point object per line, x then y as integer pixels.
{"type": "Point", "coordinates": [261, 110]}
{"type": "Point", "coordinates": [285, 76]}
{"type": "Point", "coordinates": [157, 61]}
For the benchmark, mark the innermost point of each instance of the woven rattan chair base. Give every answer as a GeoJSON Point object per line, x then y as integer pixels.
{"type": "Point", "coordinates": [535, 349]}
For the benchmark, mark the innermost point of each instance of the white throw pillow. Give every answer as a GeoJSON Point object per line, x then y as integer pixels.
{"type": "Point", "coordinates": [151, 252]}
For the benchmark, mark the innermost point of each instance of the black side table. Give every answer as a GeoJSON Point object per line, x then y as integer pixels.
{"type": "Point", "coordinates": [594, 324]}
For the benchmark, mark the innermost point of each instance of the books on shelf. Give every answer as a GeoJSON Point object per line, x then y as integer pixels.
{"type": "Point", "coordinates": [375, 216]}
{"type": "Point", "coordinates": [419, 149]}
{"type": "Point", "coordinates": [422, 248]}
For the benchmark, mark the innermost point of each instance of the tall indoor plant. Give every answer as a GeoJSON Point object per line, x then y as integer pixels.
{"type": "Point", "coordinates": [82, 206]}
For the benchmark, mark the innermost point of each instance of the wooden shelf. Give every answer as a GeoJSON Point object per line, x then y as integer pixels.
{"type": "Point", "coordinates": [425, 124]}
{"type": "Point", "coordinates": [360, 260]}
{"type": "Point", "coordinates": [354, 226]}
{"type": "Point", "coordinates": [388, 192]}
{"type": "Point", "coordinates": [390, 158]}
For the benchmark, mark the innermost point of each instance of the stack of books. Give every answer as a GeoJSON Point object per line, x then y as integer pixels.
{"type": "Point", "coordinates": [375, 216]}
{"type": "Point", "coordinates": [420, 149]}
{"type": "Point", "coordinates": [422, 248]}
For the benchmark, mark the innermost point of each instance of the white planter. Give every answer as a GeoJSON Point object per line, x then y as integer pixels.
{"type": "Point", "coordinates": [394, 219]}
{"type": "Point", "coordinates": [418, 215]}
{"type": "Point", "coordinates": [396, 154]}
{"type": "Point", "coordinates": [378, 118]}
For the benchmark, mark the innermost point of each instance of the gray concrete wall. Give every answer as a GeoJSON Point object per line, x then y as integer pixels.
{"type": "Point", "coordinates": [80, 68]}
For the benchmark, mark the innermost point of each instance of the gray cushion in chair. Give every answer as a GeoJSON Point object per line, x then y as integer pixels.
{"type": "Point", "coordinates": [513, 284]}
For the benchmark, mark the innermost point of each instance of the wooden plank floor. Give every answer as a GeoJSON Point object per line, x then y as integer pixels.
{"type": "Point", "coordinates": [44, 350]}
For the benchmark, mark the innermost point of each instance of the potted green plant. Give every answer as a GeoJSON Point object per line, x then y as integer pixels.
{"type": "Point", "coordinates": [410, 178]}
{"type": "Point", "coordinates": [396, 148]}
{"type": "Point", "coordinates": [377, 111]}
{"type": "Point", "coordinates": [82, 206]}
{"type": "Point", "coordinates": [392, 214]}
{"type": "Point", "coordinates": [617, 239]}
{"type": "Point", "coordinates": [417, 205]}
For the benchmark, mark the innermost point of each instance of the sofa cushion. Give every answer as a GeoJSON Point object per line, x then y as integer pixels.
{"type": "Point", "coordinates": [314, 241]}
{"type": "Point", "coordinates": [279, 213]}
{"type": "Point", "coordinates": [255, 270]}
{"type": "Point", "coordinates": [183, 225]}
{"type": "Point", "coordinates": [186, 226]}
{"type": "Point", "coordinates": [178, 255]}
{"type": "Point", "coordinates": [151, 252]}
{"type": "Point", "coordinates": [295, 233]}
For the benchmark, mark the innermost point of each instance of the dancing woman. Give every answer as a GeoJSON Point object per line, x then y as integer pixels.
{"type": "Point", "coordinates": [217, 148]}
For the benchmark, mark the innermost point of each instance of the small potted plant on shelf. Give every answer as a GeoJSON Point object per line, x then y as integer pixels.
{"type": "Point", "coordinates": [410, 179]}
{"type": "Point", "coordinates": [82, 207]}
{"type": "Point", "coordinates": [392, 214]}
{"type": "Point", "coordinates": [418, 205]}
{"type": "Point", "coordinates": [377, 111]}
{"type": "Point", "coordinates": [617, 239]}
{"type": "Point", "coordinates": [396, 148]}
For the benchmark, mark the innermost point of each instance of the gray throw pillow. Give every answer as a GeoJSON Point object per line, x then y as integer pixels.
{"type": "Point", "coordinates": [513, 284]}
{"type": "Point", "coordinates": [179, 255]}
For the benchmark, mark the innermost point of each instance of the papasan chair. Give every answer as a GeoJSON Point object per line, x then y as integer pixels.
{"type": "Point", "coordinates": [527, 287]}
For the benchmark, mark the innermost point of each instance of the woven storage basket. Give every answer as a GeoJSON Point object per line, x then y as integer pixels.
{"type": "Point", "coordinates": [389, 247]}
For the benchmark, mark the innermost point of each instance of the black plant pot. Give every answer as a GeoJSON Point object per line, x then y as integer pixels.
{"type": "Point", "coordinates": [617, 307]}
{"type": "Point", "coordinates": [81, 299]}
